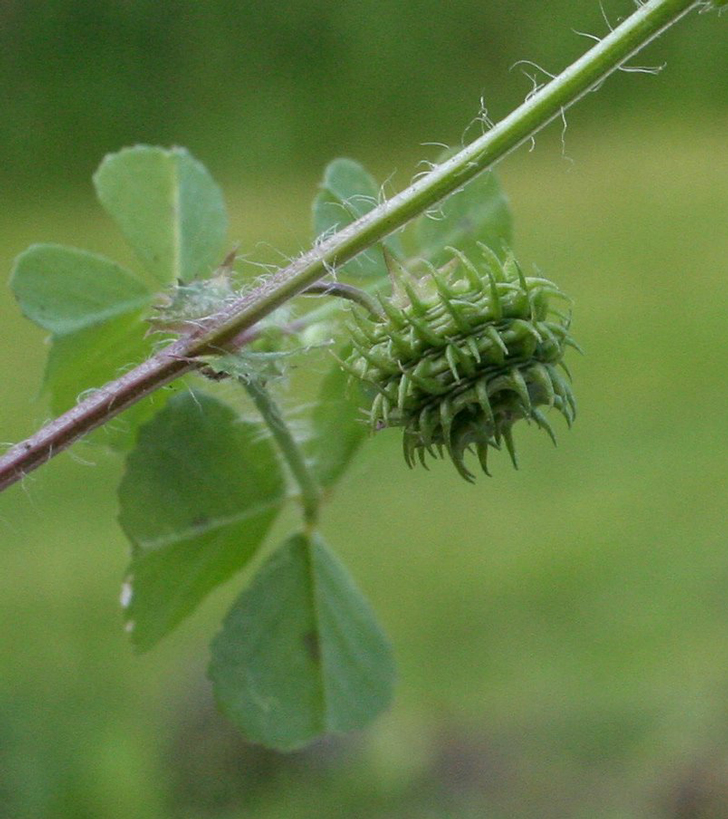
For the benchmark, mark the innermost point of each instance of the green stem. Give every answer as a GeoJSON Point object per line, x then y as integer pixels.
{"type": "Point", "coordinates": [232, 326]}
{"type": "Point", "coordinates": [647, 23]}
{"type": "Point", "coordinates": [291, 451]}
{"type": "Point", "coordinates": [345, 291]}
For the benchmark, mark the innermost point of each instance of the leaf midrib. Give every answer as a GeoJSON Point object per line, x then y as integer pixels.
{"type": "Point", "coordinates": [311, 567]}
{"type": "Point", "coordinates": [176, 221]}
{"type": "Point", "coordinates": [190, 532]}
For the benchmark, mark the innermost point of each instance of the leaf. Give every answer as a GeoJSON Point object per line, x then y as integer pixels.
{"type": "Point", "coordinates": [477, 213]}
{"type": "Point", "coordinates": [348, 192]}
{"type": "Point", "coordinates": [199, 495]}
{"type": "Point", "coordinates": [168, 207]}
{"type": "Point", "coordinates": [64, 289]}
{"type": "Point", "coordinates": [338, 425]}
{"type": "Point", "coordinates": [300, 653]}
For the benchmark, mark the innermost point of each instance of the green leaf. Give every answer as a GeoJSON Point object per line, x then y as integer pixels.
{"type": "Point", "coordinates": [348, 192]}
{"type": "Point", "coordinates": [168, 207]}
{"type": "Point", "coordinates": [477, 213]}
{"type": "Point", "coordinates": [338, 425]}
{"type": "Point", "coordinates": [199, 495]}
{"type": "Point", "coordinates": [64, 289]}
{"type": "Point", "coordinates": [301, 653]}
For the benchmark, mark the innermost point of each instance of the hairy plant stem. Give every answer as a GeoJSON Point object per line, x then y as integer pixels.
{"type": "Point", "coordinates": [231, 326]}
{"type": "Point", "coordinates": [273, 417]}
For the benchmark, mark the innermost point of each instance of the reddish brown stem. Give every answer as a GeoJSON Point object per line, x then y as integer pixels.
{"type": "Point", "coordinates": [96, 409]}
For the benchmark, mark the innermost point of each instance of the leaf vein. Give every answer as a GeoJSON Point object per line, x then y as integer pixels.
{"type": "Point", "coordinates": [190, 532]}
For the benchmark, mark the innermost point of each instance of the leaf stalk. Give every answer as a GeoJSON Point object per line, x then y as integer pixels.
{"type": "Point", "coordinates": [291, 451]}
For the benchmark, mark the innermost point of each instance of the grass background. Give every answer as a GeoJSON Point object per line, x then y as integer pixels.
{"type": "Point", "coordinates": [560, 631]}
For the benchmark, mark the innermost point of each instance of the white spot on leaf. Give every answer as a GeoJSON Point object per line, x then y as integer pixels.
{"type": "Point", "coordinates": [127, 592]}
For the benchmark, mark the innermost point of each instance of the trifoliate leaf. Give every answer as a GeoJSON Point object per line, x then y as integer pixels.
{"type": "Point", "coordinates": [168, 207]}
{"type": "Point", "coordinates": [199, 494]}
{"type": "Point", "coordinates": [348, 192]}
{"type": "Point", "coordinates": [301, 653]}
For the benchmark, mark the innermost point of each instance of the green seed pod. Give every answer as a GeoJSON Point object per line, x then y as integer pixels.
{"type": "Point", "coordinates": [462, 353]}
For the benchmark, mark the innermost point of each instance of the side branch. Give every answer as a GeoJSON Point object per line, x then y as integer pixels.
{"type": "Point", "coordinates": [230, 328]}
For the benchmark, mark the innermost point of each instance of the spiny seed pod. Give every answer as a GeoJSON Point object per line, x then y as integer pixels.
{"type": "Point", "coordinates": [462, 353]}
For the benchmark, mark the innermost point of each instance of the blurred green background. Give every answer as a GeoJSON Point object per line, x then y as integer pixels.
{"type": "Point", "coordinates": [561, 631]}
